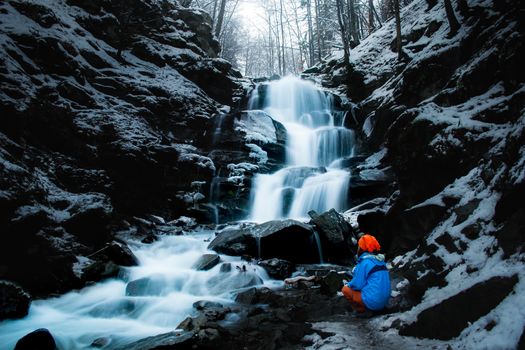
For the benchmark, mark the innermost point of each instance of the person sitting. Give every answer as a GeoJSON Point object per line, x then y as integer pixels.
{"type": "Point", "coordinates": [369, 289]}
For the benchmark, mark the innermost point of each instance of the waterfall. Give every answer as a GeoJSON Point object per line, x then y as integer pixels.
{"type": "Point", "coordinates": [312, 178]}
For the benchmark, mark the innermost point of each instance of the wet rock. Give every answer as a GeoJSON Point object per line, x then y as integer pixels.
{"type": "Point", "coordinates": [40, 339]}
{"type": "Point", "coordinates": [171, 340]}
{"type": "Point", "coordinates": [277, 268]}
{"type": "Point", "coordinates": [234, 280]}
{"type": "Point", "coordinates": [91, 223]}
{"type": "Point", "coordinates": [206, 262]}
{"type": "Point", "coordinates": [285, 239]}
{"type": "Point", "coordinates": [120, 254]}
{"type": "Point", "coordinates": [457, 312]}
{"type": "Point", "coordinates": [261, 295]}
{"type": "Point", "coordinates": [100, 342]}
{"type": "Point", "coordinates": [193, 323]}
{"type": "Point", "coordinates": [112, 308]}
{"type": "Point", "coordinates": [14, 301]}
{"type": "Point", "coordinates": [108, 261]}
{"type": "Point", "coordinates": [225, 267]}
{"type": "Point", "coordinates": [332, 282]}
{"type": "Point", "coordinates": [100, 270]}
{"type": "Point", "coordinates": [205, 304]}
{"type": "Point", "coordinates": [336, 235]}
{"type": "Point", "coordinates": [144, 286]}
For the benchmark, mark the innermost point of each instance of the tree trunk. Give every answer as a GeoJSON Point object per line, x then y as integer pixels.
{"type": "Point", "coordinates": [344, 38]}
{"type": "Point", "coordinates": [282, 37]}
{"type": "Point", "coordinates": [371, 25]}
{"type": "Point", "coordinates": [310, 32]}
{"type": "Point", "coordinates": [299, 36]}
{"type": "Point", "coordinates": [317, 15]}
{"type": "Point", "coordinates": [353, 21]}
{"type": "Point", "coordinates": [377, 16]}
{"type": "Point", "coordinates": [220, 18]}
{"type": "Point", "coordinates": [398, 30]}
{"type": "Point", "coordinates": [214, 13]}
{"type": "Point", "coordinates": [452, 20]}
{"type": "Point", "coordinates": [270, 45]}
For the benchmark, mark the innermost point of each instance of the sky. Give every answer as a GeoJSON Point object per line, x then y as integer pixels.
{"type": "Point", "coordinates": [252, 16]}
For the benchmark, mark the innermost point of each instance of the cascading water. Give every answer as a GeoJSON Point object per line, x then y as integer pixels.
{"type": "Point", "coordinates": [166, 285]}
{"type": "Point", "coordinates": [316, 139]}
{"type": "Point", "coordinates": [154, 297]}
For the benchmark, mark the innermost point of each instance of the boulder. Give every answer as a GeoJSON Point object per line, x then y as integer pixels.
{"type": "Point", "coordinates": [285, 239]}
{"type": "Point", "coordinates": [234, 242]}
{"type": "Point", "coordinates": [145, 286]}
{"type": "Point", "coordinates": [457, 312]}
{"type": "Point", "coordinates": [336, 235]}
{"type": "Point", "coordinates": [261, 295]}
{"type": "Point", "coordinates": [206, 262]}
{"type": "Point", "coordinates": [14, 301]}
{"type": "Point", "coordinates": [234, 280]}
{"type": "Point", "coordinates": [120, 254]}
{"type": "Point", "coordinates": [171, 340]}
{"type": "Point", "coordinates": [100, 270]}
{"type": "Point", "coordinates": [205, 304]}
{"type": "Point", "coordinates": [332, 282]}
{"type": "Point", "coordinates": [277, 268]}
{"type": "Point", "coordinates": [90, 224]}
{"type": "Point", "coordinates": [40, 339]}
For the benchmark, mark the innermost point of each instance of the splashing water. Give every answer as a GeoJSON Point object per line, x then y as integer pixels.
{"type": "Point", "coordinates": [163, 297]}
{"type": "Point", "coordinates": [316, 141]}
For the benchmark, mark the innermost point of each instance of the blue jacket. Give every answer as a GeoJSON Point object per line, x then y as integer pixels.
{"type": "Point", "coordinates": [375, 286]}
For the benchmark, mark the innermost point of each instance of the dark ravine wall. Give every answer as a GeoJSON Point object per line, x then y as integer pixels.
{"type": "Point", "coordinates": [447, 123]}
{"type": "Point", "coordinates": [108, 115]}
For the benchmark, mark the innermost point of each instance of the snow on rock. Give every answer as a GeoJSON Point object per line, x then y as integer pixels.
{"type": "Point", "coordinates": [448, 121]}
{"type": "Point", "coordinates": [94, 112]}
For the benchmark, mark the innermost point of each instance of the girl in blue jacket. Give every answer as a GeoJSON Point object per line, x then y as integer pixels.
{"type": "Point", "coordinates": [369, 288]}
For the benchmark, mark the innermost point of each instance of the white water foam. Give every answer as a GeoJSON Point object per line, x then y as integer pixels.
{"type": "Point", "coordinates": [104, 310]}
{"type": "Point", "coordinates": [316, 140]}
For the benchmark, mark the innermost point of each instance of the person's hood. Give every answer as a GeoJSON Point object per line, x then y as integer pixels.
{"type": "Point", "coordinates": [377, 258]}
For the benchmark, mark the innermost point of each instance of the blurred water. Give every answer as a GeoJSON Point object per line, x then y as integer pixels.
{"type": "Point", "coordinates": [160, 301]}
{"type": "Point", "coordinates": [316, 140]}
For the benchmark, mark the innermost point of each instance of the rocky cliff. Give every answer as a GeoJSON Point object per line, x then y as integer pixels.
{"type": "Point", "coordinates": [447, 122]}
{"type": "Point", "coordinates": [108, 112]}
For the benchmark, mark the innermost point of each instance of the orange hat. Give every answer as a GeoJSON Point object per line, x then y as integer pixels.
{"type": "Point", "coordinates": [368, 243]}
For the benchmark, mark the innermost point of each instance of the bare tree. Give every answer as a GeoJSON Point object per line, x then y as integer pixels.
{"type": "Point", "coordinates": [452, 20]}
{"type": "Point", "coordinates": [220, 18]}
{"type": "Point", "coordinates": [371, 25]}
{"type": "Point", "coordinates": [310, 32]}
{"type": "Point", "coordinates": [344, 38]}
{"type": "Point", "coordinates": [398, 30]}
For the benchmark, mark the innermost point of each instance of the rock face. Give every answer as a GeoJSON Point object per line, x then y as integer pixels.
{"type": "Point", "coordinates": [105, 116]}
{"type": "Point", "coordinates": [445, 125]}
{"type": "Point", "coordinates": [454, 313]}
{"type": "Point", "coordinates": [285, 239]}
{"type": "Point", "coordinates": [39, 339]}
{"type": "Point", "coordinates": [248, 142]}
{"type": "Point", "coordinates": [14, 302]}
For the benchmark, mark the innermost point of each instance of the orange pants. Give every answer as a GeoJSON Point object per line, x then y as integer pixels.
{"type": "Point", "coordinates": [354, 297]}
